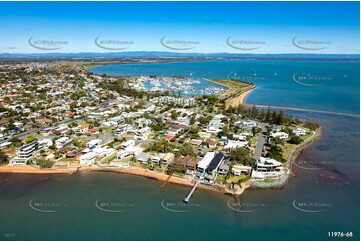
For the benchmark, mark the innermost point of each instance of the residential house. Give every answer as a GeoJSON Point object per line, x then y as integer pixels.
{"type": "Point", "coordinates": [233, 144]}
{"type": "Point", "coordinates": [82, 129]}
{"type": "Point", "coordinates": [203, 164]}
{"type": "Point", "coordinates": [223, 170]}
{"type": "Point", "coordinates": [281, 135]}
{"type": "Point", "coordinates": [167, 158]}
{"type": "Point", "coordinates": [238, 170]}
{"type": "Point", "coordinates": [299, 132]}
{"type": "Point", "coordinates": [62, 142]}
{"type": "Point", "coordinates": [212, 169]}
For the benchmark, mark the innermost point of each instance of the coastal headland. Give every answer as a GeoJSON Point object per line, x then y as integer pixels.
{"type": "Point", "coordinates": [215, 112]}
{"type": "Point", "coordinates": [236, 93]}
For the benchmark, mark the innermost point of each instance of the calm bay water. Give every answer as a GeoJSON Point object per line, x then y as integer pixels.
{"type": "Point", "coordinates": [338, 91]}
{"type": "Point", "coordinates": [84, 205]}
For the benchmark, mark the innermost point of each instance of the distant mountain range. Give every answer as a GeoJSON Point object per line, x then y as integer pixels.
{"type": "Point", "coordinates": [160, 54]}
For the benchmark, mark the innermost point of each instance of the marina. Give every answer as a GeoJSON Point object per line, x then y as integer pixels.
{"type": "Point", "coordinates": [180, 86]}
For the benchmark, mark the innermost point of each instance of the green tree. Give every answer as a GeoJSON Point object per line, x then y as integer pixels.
{"type": "Point", "coordinates": [311, 125]}
{"type": "Point", "coordinates": [4, 159]}
{"type": "Point", "coordinates": [295, 140]}
{"type": "Point", "coordinates": [30, 139]}
{"type": "Point", "coordinates": [268, 117]}
{"type": "Point", "coordinates": [241, 156]}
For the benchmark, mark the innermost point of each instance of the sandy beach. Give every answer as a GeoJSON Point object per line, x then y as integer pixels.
{"type": "Point", "coordinates": [26, 169]}
{"type": "Point", "coordinates": [235, 102]}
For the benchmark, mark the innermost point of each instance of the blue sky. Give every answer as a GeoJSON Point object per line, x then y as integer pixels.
{"type": "Point", "coordinates": [250, 27]}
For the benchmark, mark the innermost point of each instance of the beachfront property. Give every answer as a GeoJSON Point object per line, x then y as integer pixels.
{"type": "Point", "coordinates": [212, 169]}
{"type": "Point", "coordinates": [143, 157]}
{"type": "Point", "coordinates": [267, 168]}
{"type": "Point", "coordinates": [281, 135]}
{"type": "Point", "coordinates": [129, 151]}
{"type": "Point", "coordinates": [167, 158]}
{"type": "Point", "coordinates": [94, 151]}
{"type": "Point", "coordinates": [203, 164]}
{"type": "Point", "coordinates": [186, 162]}
{"type": "Point", "coordinates": [25, 153]}
{"type": "Point", "coordinates": [88, 158]}
{"type": "Point", "coordinates": [157, 158]}
{"type": "Point", "coordinates": [28, 150]}
{"type": "Point", "coordinates": [299, 132]}
{"type": "Point", "coordinates": [207, 168]}
{"type": "Point", "coordinates": [223, 169]}
{"type": "Point", "coordinates": [62, 142]}
{"type": "Point", "coordinates": [238, 170]}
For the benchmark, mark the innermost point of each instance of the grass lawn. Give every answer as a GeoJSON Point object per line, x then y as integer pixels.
{"type": "Point", "coordinates": [160, 169]}
{"type": "Point", "coordinates": [235, 179]}
{"type": "Point", "coordinates": [126, 159]}
{"type": "Point", "coordinates": [286, 148]}
{"type": "Point", "coordinates": [233, 86]}
{"type": "Point", "coordinates": [111, 158]}
{"type": "Point", "coordinates": [71, 160]}
{"type": "Point", "coordinates": [306, 137]}
{"type": "Point", "coordinates": [220, 178]}
{"type": "Point", "coordinates": [270, 180]}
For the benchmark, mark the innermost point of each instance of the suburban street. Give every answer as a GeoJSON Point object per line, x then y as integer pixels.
{"type": "Point", "coordinates": [261, 140]}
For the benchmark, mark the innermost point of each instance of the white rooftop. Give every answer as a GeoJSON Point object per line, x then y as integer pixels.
{"type": "Point", "coordinates": [206, 160]}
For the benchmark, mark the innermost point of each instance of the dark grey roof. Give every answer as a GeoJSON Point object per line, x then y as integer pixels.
{"type": "Point", "coordinates": [215, 162]}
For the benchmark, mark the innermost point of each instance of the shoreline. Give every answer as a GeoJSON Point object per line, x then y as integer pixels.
{"type": "Point", "coordinates": [242, 97]}
{"type": "Point", "coordinates": [26, 169]}
{"type": "Point", "coordinates": [238, 100]}
{"type": "Point", "coordinates": [298, 150]}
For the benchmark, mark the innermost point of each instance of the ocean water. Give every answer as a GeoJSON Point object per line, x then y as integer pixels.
{"type": "Point", "coordinates": [321, 197]}
{"type": "Point", "coordinates": [336, 85]}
